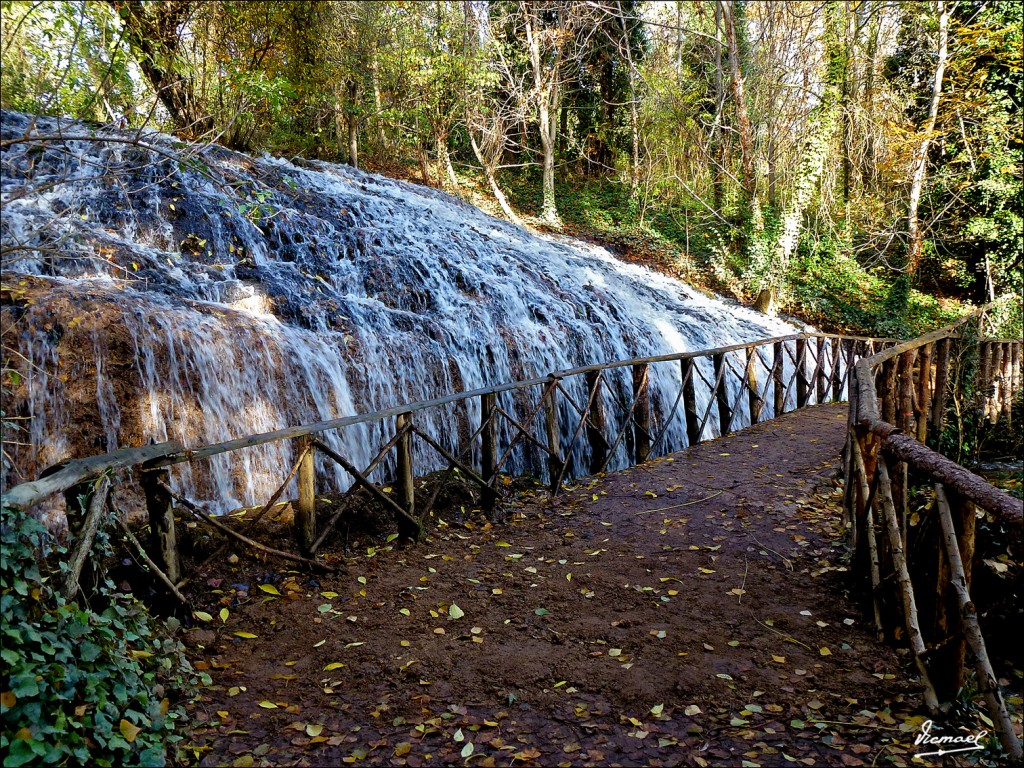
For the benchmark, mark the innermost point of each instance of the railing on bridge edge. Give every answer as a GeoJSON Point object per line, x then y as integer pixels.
{"type": "Point", "coordinates": [783, 363]}
{"type": "Point", "coordinates": [768, 377]}
{"type": "Point", "coordinates": [916, 573]}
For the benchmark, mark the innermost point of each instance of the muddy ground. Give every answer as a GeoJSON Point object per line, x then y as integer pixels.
{"type": "Point", "coordinates": [691, 610]}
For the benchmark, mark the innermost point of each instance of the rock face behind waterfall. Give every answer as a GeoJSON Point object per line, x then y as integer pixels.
{"type": "Point", "coordinates": [157, 290]}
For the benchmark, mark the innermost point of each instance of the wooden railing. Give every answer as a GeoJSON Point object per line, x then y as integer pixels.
{"type": "Point", "coordinates": [913, 553]}
{"type": "Point", "coordinates": [896, 391]}
{"type": "Point", "coordinates": [768, 377]}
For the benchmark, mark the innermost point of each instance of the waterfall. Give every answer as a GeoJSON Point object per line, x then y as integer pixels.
{"type": "Point", "coordinates": [159, 290]}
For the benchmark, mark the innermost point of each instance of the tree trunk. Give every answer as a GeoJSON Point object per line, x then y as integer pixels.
{"type": "Point", "coordinates": [745, 130]}
{"type": "Point", "coordinates": [488, 165]}
{"type": "Point", "coordinates": [549, 211]}
{"type": "Point", "coordinates": [718, 150]}
{"type": "Point", "coordinates": [378, 108]}
{"type": "Point", "coordinates": [353, 124]}
{"type": "Point", "coordinates": [914, 234]}
{"type": "Point", "coordinates": [444, 158]}
{"type": "Point", "coordinates": [421, 152]}
{"type": "Point", "coordinates": [152, 35]}
{"type": "Point", "coordinates": [546, 92]}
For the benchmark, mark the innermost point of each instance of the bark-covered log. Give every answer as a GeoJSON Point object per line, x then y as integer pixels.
{"type": "Point", "coordinates": [896, 546]}
{"type": "Point", "coordinates": [972, 631]}
{"type": "Point", "coordinates": [963, 481]}
{"type": "Point", "coordinates": [77, 471]}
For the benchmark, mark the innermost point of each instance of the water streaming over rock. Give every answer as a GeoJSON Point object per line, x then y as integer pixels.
{"type": "Point", "coordinates": [200, 294]}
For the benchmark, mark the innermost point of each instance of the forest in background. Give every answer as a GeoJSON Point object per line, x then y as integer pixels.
{"type": "Point", "coordinates": [857, 163]}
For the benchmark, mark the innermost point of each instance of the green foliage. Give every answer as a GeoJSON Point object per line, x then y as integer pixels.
{"type": "Point", "coordinates": [829, 287]}
{"type": "Point", "coordinates": [42, 73]}
{"type": "Point", "coordinates": [99, 686]}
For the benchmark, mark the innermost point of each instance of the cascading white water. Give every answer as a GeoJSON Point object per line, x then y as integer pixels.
{"type": "Point", "coordinates": [223, 295]}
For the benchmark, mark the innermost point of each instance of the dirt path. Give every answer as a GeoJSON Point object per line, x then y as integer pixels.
{"type": "Point", "coordinates": [687, 611]}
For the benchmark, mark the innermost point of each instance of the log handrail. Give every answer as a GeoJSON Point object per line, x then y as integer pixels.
{"type": "Point", "coordinates": [77, 471]}
{"type": "Point", "coordinates": [897, 385]}
{"type": "Point", "coordinates": [868, 416]}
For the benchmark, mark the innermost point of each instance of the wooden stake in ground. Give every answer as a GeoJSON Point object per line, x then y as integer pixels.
{"type": "Point", "coordinates": [305, 507]}
{"type": "Point", "coordinates": [906, 588]}
{"type": "Point", "coordinates": [195, 510]}
{"type": "Point", "coordinates": [97, 504]}
{"type": "Point", "coordinates": [972, 631]}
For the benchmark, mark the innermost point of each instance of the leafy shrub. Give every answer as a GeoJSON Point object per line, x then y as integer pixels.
{"type": "Point", "coordinates": [86, 686]}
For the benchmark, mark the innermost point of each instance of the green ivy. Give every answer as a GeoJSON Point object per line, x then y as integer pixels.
{"type": "Point", "coordinates": [89, 686]}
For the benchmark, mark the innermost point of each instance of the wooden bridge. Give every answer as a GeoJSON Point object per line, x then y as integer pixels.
{"type": "Point", "coordinates": [899, 395]}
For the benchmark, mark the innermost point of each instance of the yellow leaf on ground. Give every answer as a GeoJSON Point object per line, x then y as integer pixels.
{"type": "Point", "coordinates": [129, 731]}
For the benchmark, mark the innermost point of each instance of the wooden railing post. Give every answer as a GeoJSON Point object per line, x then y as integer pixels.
{"type": "Point", "coordinates": [905, 414]}
{"type": "Point", "coordinates": [834, 377]}
{"type": "Point", "coordinates": [406, 472]}
{"type": "Point", "coordinates": [688, 370]}
{"type": "Point", "coordinates": [642, 412]}
{"type": "Point", "coordinates": [1007, 379]}
{"type": "Point", "coordinates": [552, 427]}
{"type": "Point", "coordinates": [721, 395]}
{"type": "Point", "coordinates": [488, 448]}
{"type": "Point", "coordinates": [489, 436]}
{"type": "Point", "coordinates": [910, 615]}
{"type": "Point", "coordinates": [820, 383]}
{"type": "Point", "coordinates": [801, 372]}
{"type": "Point", "coordinates": [778, 388]}
{"type": "Point", "coordinates": [596, 423]}
{"type": "Point", "coordinates": [305, 507]}
{"type": "Point", "coordinates": [753, 394]}
{"type": "Point", "coordinates": [924, 392]}
{"type": "Point", "coordinates": [995, 377]}
{"type": "Point", "coordinates": [854, 350]}
{"type": "Point", "coordinates": [939, 395]}
{"type": "Point", "coordinates": [1015, 369]}
{"type": "Point", "coordinates": [983, 381]}
{"type": "Point", "coordinates": [160, 507]}
{"type": "Point", "coordinates": [888, 391]}
{"type": "Point", "coordinates": [960, 583]}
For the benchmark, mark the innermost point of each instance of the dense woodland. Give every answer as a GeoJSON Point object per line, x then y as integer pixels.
{"type": "Point", "coordinates": [857, 163]}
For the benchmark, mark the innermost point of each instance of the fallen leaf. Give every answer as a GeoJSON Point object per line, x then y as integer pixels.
{"type": "Point", "coordinates": [246, 635]}
{"type": "Point", "coordinates": [129, 731]}
{"type": "Point", "coordinates": [455, 612]}
{"type": "Point", "coordinates": [333, 665]}
{"type": "Point", "coordinates": [270, 589]}
{"type": "Point", "coordinates": [268, 705]}
{"type": "Point", "coordinates": [314, 730]}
